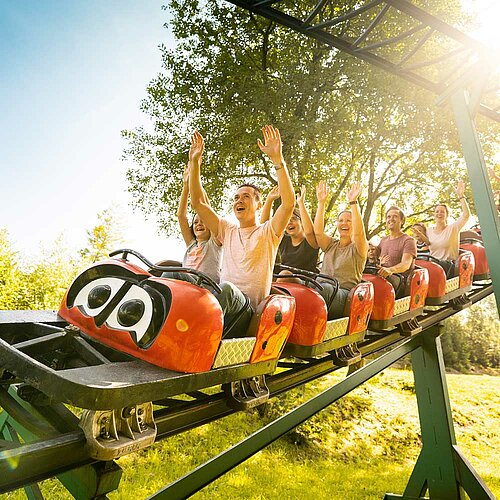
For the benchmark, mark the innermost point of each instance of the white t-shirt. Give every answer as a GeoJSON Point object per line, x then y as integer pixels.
{"type": "Point", "coordinates": [248, 258]}
{"type": "Point", "coordinates": [444, 245]}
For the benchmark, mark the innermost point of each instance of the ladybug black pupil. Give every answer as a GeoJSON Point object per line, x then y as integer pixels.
{"type": "Point", "coordinates": [98, 296]}
{"type": "Point", "coordinates": [130, 312]}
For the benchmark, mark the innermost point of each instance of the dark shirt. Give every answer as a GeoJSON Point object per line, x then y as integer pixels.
{"type": "Point", "coordinates": [422, 248]}
{"type": "Point", "coordinates": [303, 256]}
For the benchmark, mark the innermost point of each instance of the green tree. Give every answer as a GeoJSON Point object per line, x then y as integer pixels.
{"type": "Point", "coordinates": [10, 274]}
{"type": "Point", "coordinates": [341, 119]}
{"type": "Point", "coordinates": [48, 277]}
{"type": "Point", "coordinates": [471, 337]}
{"type": "Point", "coordinates": [36, 284]}
{"type": "Point", "coordinates": [102, 238]}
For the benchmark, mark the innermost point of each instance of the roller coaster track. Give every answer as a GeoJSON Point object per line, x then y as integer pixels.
{"type": "Point", "coordinates": [63, 448]}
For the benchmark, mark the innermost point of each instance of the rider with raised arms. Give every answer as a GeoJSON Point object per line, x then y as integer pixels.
{"type": "Point", "coordinates": [344, 259]}
{"type": "Point", "coordinates": [249, 247]}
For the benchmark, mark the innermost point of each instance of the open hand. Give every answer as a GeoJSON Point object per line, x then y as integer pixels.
{"type": "Point", "coordinates": [301, 197]}
{"type": "Point", "coordinates": [322, 192]}
{"type": "Point", "coordinates": [354, 191]}
{"type": "Point", "coordinates": [272, 146]}
{"type": "Point", "coordinates": [274, 194]}
{"type": "Point", "coordinates": [460, 189]}
{"type": "Point", "coordinates": [197, 147]}
{"type": "Point", "coordinates": [493, 175]}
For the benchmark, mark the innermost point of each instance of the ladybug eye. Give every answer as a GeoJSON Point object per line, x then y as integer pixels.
{"type": "Point", "coordinates": [98, 296]}
{"type": "Point", "coordinates": [134, 313]}
{"type": "Point", "coordinates": [130, 312]}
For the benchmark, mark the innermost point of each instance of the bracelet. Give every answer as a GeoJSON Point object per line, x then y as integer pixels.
{"type": "Point", "coordinates": [279, 165]}
{"type": "Point", "coordinates": [355, 202]}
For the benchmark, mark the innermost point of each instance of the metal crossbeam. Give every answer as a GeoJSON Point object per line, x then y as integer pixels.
{"type": "Point", "coordinates": [227, 460]}
{"type": "Point", "coordinates": [430, 61]}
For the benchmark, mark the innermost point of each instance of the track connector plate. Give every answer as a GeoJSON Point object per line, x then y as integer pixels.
{"type": "Point", "coordinates": [113, 433]}
{"type": "Point", "coordinates": [346, 355]}
{"type": "Point", "coordinates": [247, 393]}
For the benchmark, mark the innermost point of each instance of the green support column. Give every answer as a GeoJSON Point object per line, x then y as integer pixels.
{"type": "Point", "coordinates": [463, 107]}
{"type": "Point", "coordinates": [440, 470]}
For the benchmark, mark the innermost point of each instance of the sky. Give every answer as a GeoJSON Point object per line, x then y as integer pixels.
{"type": "Point", "coordinates": [72, 76]}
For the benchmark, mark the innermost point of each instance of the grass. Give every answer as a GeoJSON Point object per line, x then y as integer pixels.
{"type": "Point", "coordinates": [359, 448]}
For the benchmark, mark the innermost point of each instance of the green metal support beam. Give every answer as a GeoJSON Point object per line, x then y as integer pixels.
{"type": "Point", "coordinates": [464, 109]}
{"type": "Point", "coordinates": [210, 471]}
{"type": "Point", "coordinates": [441, 469]}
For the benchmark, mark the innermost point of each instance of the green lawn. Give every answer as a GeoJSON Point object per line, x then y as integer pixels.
{"type": "Point", "coordinates": [359, 448]}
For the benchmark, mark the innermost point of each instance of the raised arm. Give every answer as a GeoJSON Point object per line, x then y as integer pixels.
{"type": "Point", "coordinates": [182, 216]}
{"type": "Point", "coordinates": [272, 147]}
{"type": "Point", "coordinates": [274, 194]}
{"type": "Point", "coordinates": [420, 234]}
{"type": "Point", "coordinates": [465, 215]}
{"type": "Point", "coordinates": [358, 229]}
{"type": "Point", "coordinates": [199, 198]}
{"type": "Point", "coordinates": [493, 174]}
{"type": "Point", "coordinates": [322, 194]}
{"type": "Point", "coordinates": [307, 222]}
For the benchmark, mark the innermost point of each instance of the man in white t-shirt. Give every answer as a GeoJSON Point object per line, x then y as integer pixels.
{"type": "Point", "coordinates": [249, 248]}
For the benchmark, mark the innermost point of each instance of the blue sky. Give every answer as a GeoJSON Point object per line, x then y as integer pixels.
{"type": "Point", "coordinates": [72, 76]}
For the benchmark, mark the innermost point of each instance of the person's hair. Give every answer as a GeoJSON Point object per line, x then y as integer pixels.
{"type": "Point", "coordinates": [377, 249]}
{"type": "Point", "coordinates": [343, 212]}
{"type": "Point", "coordinates": [445, 207]}
{"type": "Point", "coordinates": [256, 190]}
{"type": "Point", "coordinates": [421, 226]}
{"type": "Point", "coordinates": [402, 216]}
{"type": "Point", "coordinates": [296, 213]}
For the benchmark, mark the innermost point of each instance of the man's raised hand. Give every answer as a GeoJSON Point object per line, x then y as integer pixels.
{"type": "Point", "coordinates": [272, 146]}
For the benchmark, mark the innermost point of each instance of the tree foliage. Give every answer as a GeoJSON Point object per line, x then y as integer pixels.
{"type": "Point", "coordinates": [471, 338]}
{"type": "Point", "coordinates": [341, 119]}
{"type": "Point", "coordinates": [41, 281]}
{"type": "Point", "coordinates": [102, 238]}
{"type": "Point", "coordinates": [37, 284]}
{"type": "Point", "coordinates": [10, 275]}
